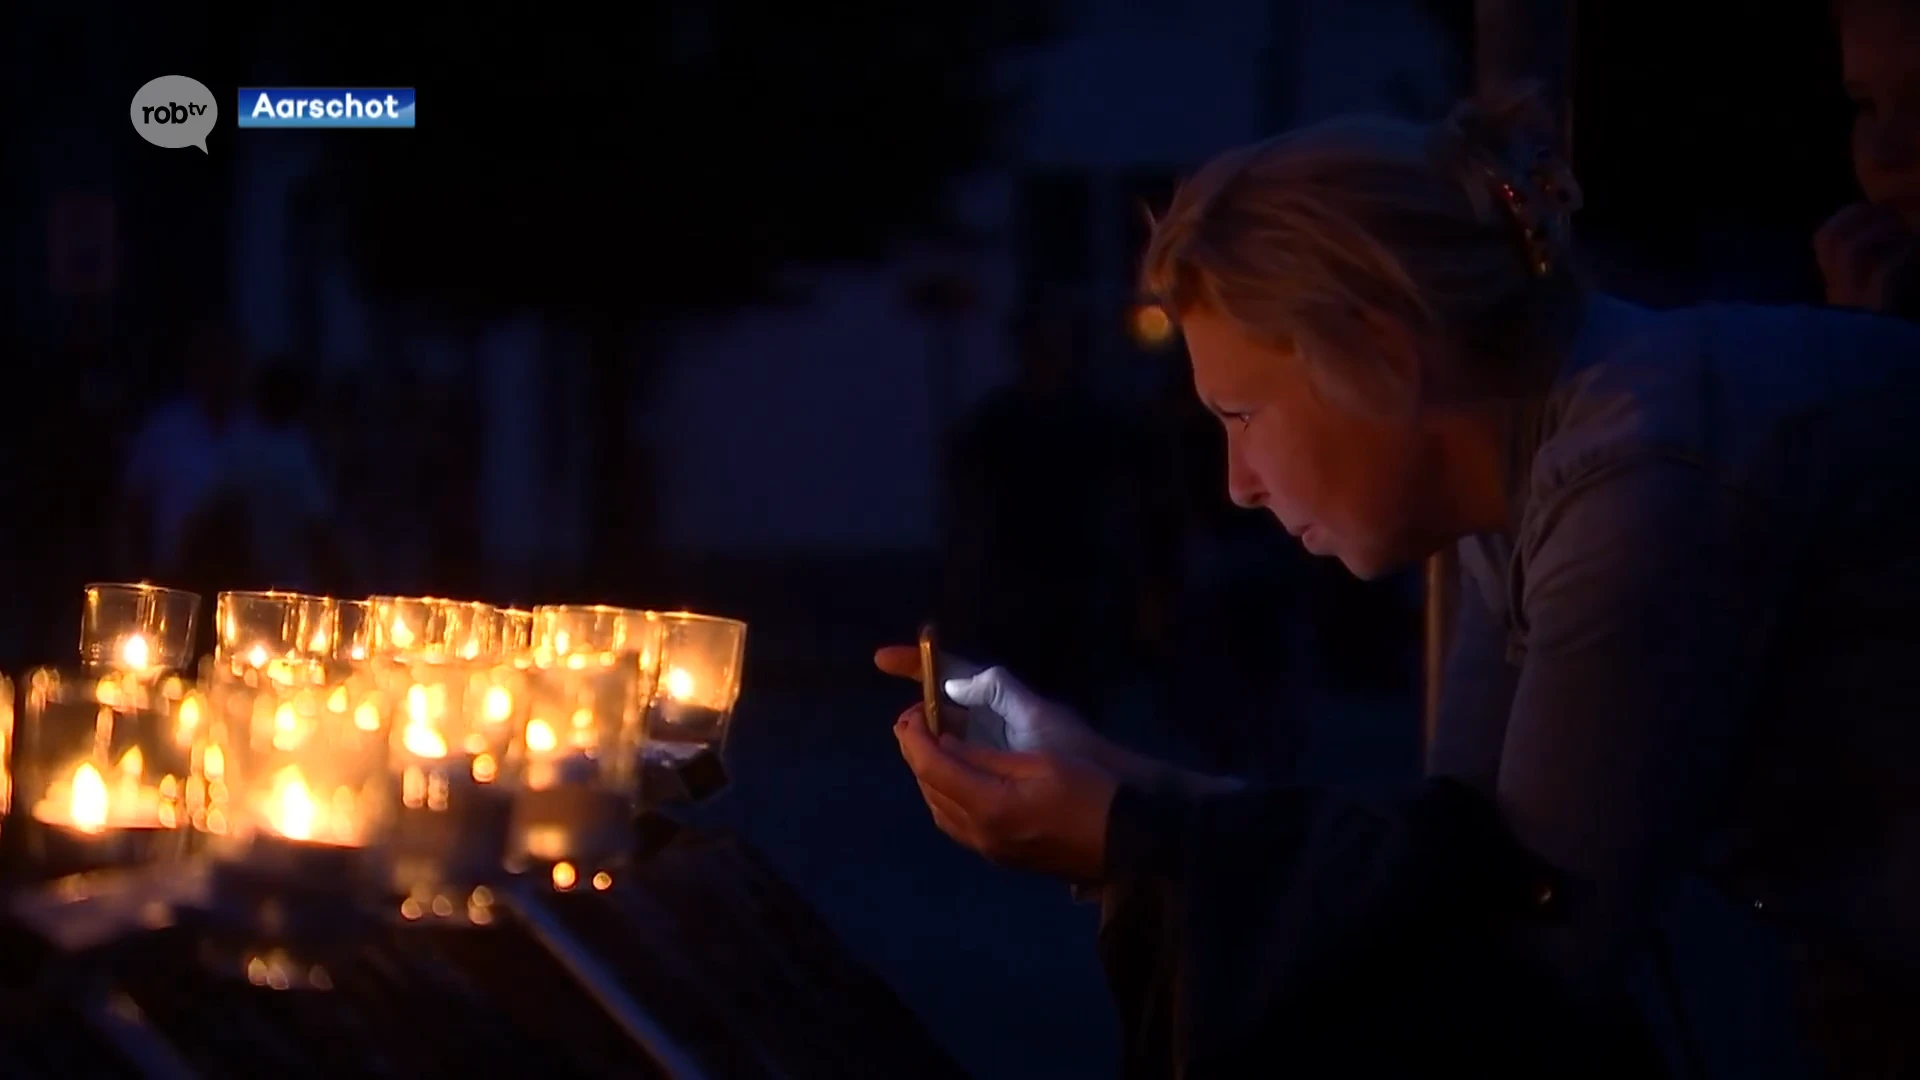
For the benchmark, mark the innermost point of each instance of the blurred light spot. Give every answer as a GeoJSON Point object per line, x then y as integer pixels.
{"type": "Point", "coordinates": [1150, 326]}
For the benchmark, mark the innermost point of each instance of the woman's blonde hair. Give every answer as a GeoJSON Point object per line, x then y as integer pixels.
{"type": "Point", "coordinates": [1454, 234]}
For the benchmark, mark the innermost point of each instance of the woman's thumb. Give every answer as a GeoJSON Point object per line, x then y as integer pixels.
{"type": "Point", "coordinates": [993, 688]}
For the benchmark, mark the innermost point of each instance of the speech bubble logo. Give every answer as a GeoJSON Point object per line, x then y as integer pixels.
{"type": "Point", "coordinates": [174, 111]}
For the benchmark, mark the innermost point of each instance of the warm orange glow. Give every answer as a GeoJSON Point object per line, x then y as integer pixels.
{"type": "Point", "coordinates": [484, 769]}
{"type": "Point", "coordinates": [679, 683]}
{"type": "Point", "coordinates": [87, 808]}
{"type": "Point", "coordinates": [564, 876]}
{"type": "Point", "coordinates": [257, 656]}
{"type": "Point", "coordinates": [286, 727]}
{"type": "Point", "coordinates": [540, 738]}
{"type": "Point", "coordinates": [1150, 325]}
{"type": "Point", "coordinates": [366, 717]}
{"type": "Point", "coordinates": [603, 881]}
{"type": "Point", "coordinates": [290, 809]}
{"type": "Point", "coordinates": [422, 740]}
{"type": "Point", "coordinates": [135, 652]}
{"type": "Point", "coordinates": [497, 706]}
{"type": "Point", "coordinates": [187, 720]}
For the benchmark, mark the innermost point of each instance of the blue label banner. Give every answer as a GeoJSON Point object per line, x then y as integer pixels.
{"type": "Point", "coordinates": [312, 107]}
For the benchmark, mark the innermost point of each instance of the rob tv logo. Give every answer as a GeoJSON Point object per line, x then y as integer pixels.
{"type": "Point", "coordinates": [307, 107]}
{"type": "Point", "coordinates": [174, 111]}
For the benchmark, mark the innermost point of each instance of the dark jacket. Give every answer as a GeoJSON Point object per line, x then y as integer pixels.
{"type": "Point", "coordinates": [1693, 652]}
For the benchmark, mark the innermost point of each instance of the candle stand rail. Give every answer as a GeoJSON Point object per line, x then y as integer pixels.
{"type": "Point", "coordinates": [695, 960]}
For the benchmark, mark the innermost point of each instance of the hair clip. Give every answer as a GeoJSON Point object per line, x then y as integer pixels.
{"type": "Point", "coordinates": [1527, 218]}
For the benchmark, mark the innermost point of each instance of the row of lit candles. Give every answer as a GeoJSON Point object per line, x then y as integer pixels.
{"type": "Point", "coordinates": [309, 702]}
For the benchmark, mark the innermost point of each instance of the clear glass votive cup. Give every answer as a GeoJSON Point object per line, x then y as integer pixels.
{"type": "Point", "coordinates": [701, 661]}
{"type": "Point", "coordinates": [579, 756]}
{"type": "Point", "coordinates": [102, 767]}
{"type": "Point", "coordinates": [455, 726]}
{"type": "Point", "coordinates": [353, 631]}
{"type": "Point", "coordinates": [261, 629]}
{"type": "Point", "coordinates": [516, 636]}
{"type": "Point", "coordinates": [137, 627]}
{"type": "Point", "coordinates": [294, 772]}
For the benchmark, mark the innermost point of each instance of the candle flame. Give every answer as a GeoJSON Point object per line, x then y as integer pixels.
{"type": "Point", "coordinates": [679, 683]}
{"type": "Point", "coordinates": [366, 717]}
{"type": "Point", "coordinates": [540, 737]}
{"type": "Point", "coordinates": [497, 706]}
{"type": "Point", "coordinates": [88, 806]}
{"type": "Point", "coordinates": [286, 727]}
{"type": "Point", "coordinates": [189, 715]}
{"type": "Point", "coordinates": [319, 642]}
{"type": "Point", "coordinates": [402, 633]}
{"type": "Point", "coordinates": [422, 740]}
{"type": "Point", "coordinates": [290, 809]}
{"type": "Point", "coordinates": [132, 764]}
{"type": "Point", "coordinates": [257, 656]}
{"type": "Point", "coordinates": [135, 653]}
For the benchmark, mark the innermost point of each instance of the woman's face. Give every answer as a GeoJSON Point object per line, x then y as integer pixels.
{"type": "Point", "coordinates": [1880, 42]}
{"type": "Point", "coordinates": [1345, 482]}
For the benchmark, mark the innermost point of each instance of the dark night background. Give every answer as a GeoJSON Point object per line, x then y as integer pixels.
{"type": "Point", "coordinates": [819, 316]}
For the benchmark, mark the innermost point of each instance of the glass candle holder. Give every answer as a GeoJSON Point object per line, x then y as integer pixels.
{"type": "Point", "coordinates": [137, 628]}
{"type": "Point", "coordinates": [516, 636]}
{"type": "Point", "coordinates": [264, 629]}
{"type": "Point", "coordinates": [454, 729]}
{"type": "Point", "coordinates": [699, 679]}
{"type": "Point", "coordinates": [353, 631]}
{"type": "Point", "coordinates": [404, 627]}
{"type": "Point", "coordinates": [579, 752]}
{"type": "Point", "coordinates": [294, 771]}
{"type": "Point", "coordinates": [102, 769]}
{"type": "Point", "coordinates": [469, 631]}
{"type": "Point", "coordinates": [6, 747]}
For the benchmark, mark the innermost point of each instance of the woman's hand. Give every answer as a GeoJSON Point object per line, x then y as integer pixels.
{"type": "Point", "coordinates": [1041, 811]}
{"type": "Point", "coordinates": [1866, 255]}
{"type": "Point", "coordinates": [1033, 724]}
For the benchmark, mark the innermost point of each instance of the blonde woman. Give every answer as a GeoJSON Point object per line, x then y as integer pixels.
{"type": "Point", "coordinates": [1687, 644]}
{"type": "Point", "coordinates": [1869, 252]}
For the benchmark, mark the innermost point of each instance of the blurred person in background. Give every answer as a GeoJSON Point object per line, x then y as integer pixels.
{"type": "Point", "coordinates": [1869, 253]}
{"type": "Point", "coordinates": [273, 468]}
{"type": "Point", "coordinates": [174, 466]}
{"type": "Point", "coordinates": [1684, 647]}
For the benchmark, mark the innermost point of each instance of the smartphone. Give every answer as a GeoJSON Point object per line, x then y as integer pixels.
{"type": "Point", "coordinates": [945, 716]}
{"type": "Point", "coordinates": [931, 695]}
